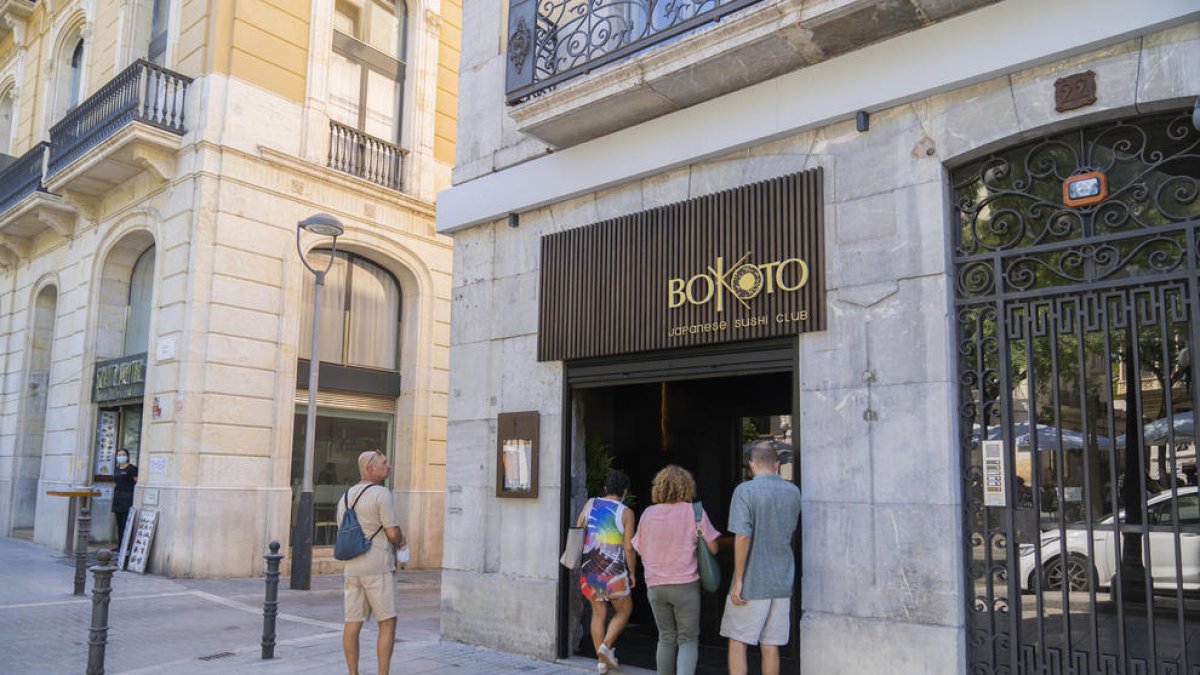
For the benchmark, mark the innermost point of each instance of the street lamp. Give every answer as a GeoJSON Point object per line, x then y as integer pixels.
{"type": "Point", "coordinates": [324, 225]}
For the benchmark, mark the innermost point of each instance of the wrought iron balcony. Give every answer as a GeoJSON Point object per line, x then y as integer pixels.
{"type": "Point", "coordinates": [550, 41]}
{"type": "Point", "coordinates": [23, 177]}
{"type": "Point", "coordinates": [143, 92]}
{"type": "Point", "coordinates": [365, 156]}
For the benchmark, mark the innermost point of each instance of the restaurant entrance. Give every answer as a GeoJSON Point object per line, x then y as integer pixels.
{"type": "Point", "coordinates": [639, 423]}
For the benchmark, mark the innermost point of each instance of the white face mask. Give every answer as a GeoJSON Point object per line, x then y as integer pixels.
{"type": "Point", "coordinates": [122, 458]}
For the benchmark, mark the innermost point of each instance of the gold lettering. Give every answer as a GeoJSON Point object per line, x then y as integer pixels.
{"type": "Point", "coordinates": [769, 275]}
{"type": "Point", "coordinates": [692, 282]}
{"type": "Point", "coordinates": [803, 274]}
{"type": "Point", "coordinates": [675, 295]}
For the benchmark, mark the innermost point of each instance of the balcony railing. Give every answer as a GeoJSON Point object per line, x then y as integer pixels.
{"type": "Point", "coordinates": [23, 177]}
{"type": "Point", "coordinates": [550, 41]}
{"type": "Point", "coordinates": [143, 92]}
{"type": "Point", "coordinates": [365, 156]}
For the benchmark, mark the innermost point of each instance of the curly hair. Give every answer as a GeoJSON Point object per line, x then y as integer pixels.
{"type": "Point", "coordinates": [673, 484]}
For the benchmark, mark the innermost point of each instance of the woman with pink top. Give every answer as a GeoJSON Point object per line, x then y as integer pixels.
{"type": "Point", "coordinates": [666, 542]}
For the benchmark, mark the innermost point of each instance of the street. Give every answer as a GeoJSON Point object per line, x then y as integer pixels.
{"type": "Point", "coordinates": [184, 626]}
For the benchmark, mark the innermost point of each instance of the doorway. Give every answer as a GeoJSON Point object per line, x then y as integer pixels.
{"type": "Point", "coordinates": [118, 427]}
{"type": "Point", "coordinates": [1077, 405]}
{"type": "Point", "coordinates": [701, 424]}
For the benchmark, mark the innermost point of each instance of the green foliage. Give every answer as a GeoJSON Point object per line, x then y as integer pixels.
{"type": "Point", "coordinates": [749, 431]}
{"type": "Point", "coordinates": [599, 461]}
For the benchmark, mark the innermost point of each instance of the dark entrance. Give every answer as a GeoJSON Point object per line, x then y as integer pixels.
{"type": "Point", "coordinates": [701, 424]}
{"type": "Point", "coordinates": [1076, 329]}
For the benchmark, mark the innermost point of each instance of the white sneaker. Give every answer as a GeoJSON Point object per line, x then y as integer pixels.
{"type": "Point", "coordinates": [601, 667]}
{"type": "Point", "coordinates": [609, 656]}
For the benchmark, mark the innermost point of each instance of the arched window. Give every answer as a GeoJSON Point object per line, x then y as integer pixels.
{"type": "Point", "coordinates": [360, 313]}
{"type": "Point", "coordinates": [6, 122]}
{"type": "Point", "coordinates": [368, 65]}
{"type": "Point", "coordinates": [137, 317]}
{"type": "Point", "coordinates": [75, 82]}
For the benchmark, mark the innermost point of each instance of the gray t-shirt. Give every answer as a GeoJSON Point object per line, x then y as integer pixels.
{"type": "Point", "coordinates": [766, 509]}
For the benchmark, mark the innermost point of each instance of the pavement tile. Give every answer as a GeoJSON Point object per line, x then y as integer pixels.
{"type": "Point", "coordinates": [159, 625]}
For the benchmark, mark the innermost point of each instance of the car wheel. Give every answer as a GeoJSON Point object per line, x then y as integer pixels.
{"type": "Point", "coordinates": [1075, 573]}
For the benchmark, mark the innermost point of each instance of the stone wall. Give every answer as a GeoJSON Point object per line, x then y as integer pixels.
{"type": "Point", "coordinates": [882, 521]}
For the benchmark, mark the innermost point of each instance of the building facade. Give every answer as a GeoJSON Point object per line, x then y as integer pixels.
{"type": "Point", "coordinates": [940, 254]}
{"type": "Point", "coordinates": [158, 157]}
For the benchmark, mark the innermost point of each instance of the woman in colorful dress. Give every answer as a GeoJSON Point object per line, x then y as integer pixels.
{"type": "Point", "coordinates": [607, 573]}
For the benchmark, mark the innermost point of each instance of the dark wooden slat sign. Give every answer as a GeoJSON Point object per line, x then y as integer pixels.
{"type": "Point", "coordinates": [742, 264]}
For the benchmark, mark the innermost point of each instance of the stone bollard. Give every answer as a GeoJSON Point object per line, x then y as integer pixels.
{"type": "Point", "coordinates": [271, 604]}
{"type": "Point", "coordinates": [101, 590]}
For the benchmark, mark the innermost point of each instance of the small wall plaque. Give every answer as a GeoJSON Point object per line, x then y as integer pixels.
{"type": "Point", "coordinates": [1075, 91]}
{"type": "Point", "coordinates": [517, 455]}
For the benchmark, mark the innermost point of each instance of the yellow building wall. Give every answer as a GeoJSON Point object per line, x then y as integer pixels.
{"type": "Point", "coordinates": [269, 46]}
{"type": "Point", "coordinates": [102, 61]}
{"type": "Point", "coordinates": [190, 52]}
{"type": "Point", "coordinates": [449, 47]}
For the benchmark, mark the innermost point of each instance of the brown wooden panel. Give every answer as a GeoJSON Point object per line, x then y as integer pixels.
{"type": "Point", "coordinates": [743, 264]}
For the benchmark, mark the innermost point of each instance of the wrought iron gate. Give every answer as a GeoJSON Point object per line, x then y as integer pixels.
{"type": "Point", "coordinates": [1076, 326]}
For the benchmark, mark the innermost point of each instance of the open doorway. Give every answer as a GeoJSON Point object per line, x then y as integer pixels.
{"type": "Point", "coordinates": [702, 425]}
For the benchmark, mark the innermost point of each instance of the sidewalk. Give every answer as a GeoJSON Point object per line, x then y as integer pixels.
{"type": "Point", "coordinates": [194, 626]}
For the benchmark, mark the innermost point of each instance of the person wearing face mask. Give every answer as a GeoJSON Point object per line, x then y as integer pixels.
{"type": "Point", "coordinates": [125, 476]}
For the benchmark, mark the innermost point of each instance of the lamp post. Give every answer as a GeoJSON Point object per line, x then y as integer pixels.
{"type": "Point", "coordinates": [324, 225]}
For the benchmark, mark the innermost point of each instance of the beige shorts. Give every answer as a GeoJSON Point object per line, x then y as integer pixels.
{"type": "Point", "coordinates": [766, 621]}
{"type": "Point", "coordinates": [369, 595]}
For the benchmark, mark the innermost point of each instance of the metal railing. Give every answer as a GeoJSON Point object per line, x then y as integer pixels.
{"type": "Point", "coordinates": [550, 41]}
{"type": "Point", "coordinates": [23, 177]}
{"type": "Point", "coordinates": [365, 156]}
{"type": "Point", "coordinates": [143, 92]}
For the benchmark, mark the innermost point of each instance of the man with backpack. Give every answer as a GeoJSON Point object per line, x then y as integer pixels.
{"type": "Point", "coordinates": [368, 582]}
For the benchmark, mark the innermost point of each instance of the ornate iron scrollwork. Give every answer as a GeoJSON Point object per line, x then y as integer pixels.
{"type": "Point", "coordinates": [1036, 278]}
{"type": "Point", "coordinates": [519, 44]}
{"type": "Point", "coordinates": [574, 36]}
{"type": "Point", "coordinates": [1013, 199]}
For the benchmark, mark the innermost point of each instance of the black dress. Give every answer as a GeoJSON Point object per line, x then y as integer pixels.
{"type": "Point", "coordinates": [123, 496]}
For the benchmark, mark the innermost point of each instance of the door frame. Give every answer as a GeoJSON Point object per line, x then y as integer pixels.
{"type": "Point", "coordinates": [708, 362]}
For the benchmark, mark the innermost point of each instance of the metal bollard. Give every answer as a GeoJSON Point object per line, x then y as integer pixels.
{"type": "Point", "coordinates": [101, 590]}
{"type": "Point", "coordinates": [84, 524]}
{"type": "Point", "coordinates": [271, 604]}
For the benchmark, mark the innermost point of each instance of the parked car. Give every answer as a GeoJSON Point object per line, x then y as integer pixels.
{"type": "Point", "coordinates": [1079, 567]}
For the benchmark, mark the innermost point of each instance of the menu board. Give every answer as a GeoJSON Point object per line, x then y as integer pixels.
{"type": "Point", "coordinates": [106, 442]}
{"type": "Point", "coordinates": [143, 537]}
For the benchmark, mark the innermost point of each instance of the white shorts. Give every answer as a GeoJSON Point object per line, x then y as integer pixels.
{"type": "Point", "coordinates": [766, 621]}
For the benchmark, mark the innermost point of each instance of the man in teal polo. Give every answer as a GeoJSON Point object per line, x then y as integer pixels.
{"type": "Point", "coordinates": [763, 515]}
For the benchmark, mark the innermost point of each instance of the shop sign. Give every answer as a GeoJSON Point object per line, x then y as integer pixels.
{"type": "Point", "coordinates": [120, 379]}
{"type": "Point", "coordinates": [742, 264]}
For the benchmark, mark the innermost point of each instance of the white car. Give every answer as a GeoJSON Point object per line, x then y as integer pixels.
{"type": "Point", "coordinates": [1078, 568]}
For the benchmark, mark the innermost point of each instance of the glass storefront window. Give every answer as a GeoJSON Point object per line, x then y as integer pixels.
{"type": "Point", "coordinates": [340, 436]}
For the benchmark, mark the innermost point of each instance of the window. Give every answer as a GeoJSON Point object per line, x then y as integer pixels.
{"type": "Point", "coordinates": [341, 435]}
{"type": "Point", "coordinates": [6, 122]}
{"type": "Point", "coordinates": [360, 313]}
{"type": "Point", "coordinates": [75, 81]}
{"type": "Point", "coordinates": [368, 65]}
{"type": "Point", "coordinates": [137, 317]}
{"type": "Point", "coordinates": [158, 32]}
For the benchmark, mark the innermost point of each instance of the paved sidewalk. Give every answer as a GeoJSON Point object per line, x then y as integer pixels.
{"type": "Point", "coordinates": [194, 626]}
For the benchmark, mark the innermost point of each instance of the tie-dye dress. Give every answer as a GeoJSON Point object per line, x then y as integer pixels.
{"type": "Point", "coordinates": [603, 575]}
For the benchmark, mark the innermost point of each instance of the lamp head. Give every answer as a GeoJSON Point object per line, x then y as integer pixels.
{"type": "Point", "coordinates": [322, 224]}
